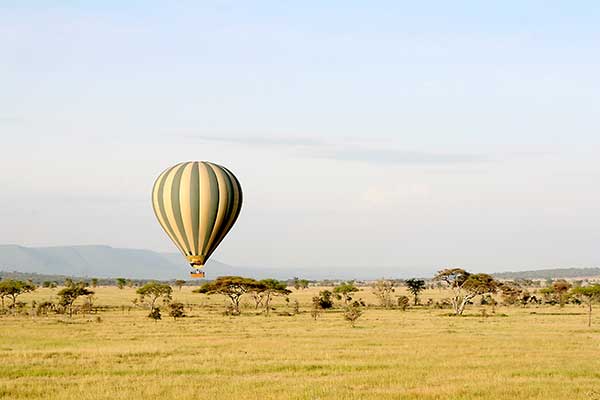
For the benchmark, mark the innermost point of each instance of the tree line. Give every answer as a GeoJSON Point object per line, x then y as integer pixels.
{"type": "Point", "coordinates": [464, 288]}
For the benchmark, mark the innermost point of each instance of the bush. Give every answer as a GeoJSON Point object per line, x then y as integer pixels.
{"type": "Point", "coordinates": [325, 299]}
{"type": "Point", "coordinates": [315, 310]}
{"type": "Point", "coordinates": [44, 307]}
{"type": "Point", "coordinates": [155, 314]}
{"type": "Point", "coordinates": [176, 310]}
{"type": "Point", "coordinates": [403, 302]}
{"type": "Point", "coordinates": [352, 313]}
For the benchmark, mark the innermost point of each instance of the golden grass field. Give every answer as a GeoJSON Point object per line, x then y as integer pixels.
{"type": "Point", "coordinates": [530, 353]}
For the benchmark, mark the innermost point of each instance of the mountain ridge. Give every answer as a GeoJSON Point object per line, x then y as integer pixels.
{"type": "Point", "coordinates": [102, 261]}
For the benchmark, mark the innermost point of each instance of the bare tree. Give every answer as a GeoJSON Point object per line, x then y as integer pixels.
{"type": "Point", "coordinates": [383, 289]}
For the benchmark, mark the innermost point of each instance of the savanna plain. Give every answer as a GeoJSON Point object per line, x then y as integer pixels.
{"type": "Point", "coordinates": [533, 352]}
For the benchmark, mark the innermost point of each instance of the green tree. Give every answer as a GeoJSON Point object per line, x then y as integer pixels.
{"type": "Point", "coordinates": [233, 287]}
{"type": "Point", "coordinates": [325, 299]}
{"type": "Point", "coordinates": [273, 287]}
{"type": "Point", "coordinates": [304, 283]}
{"type": "Point", "coordinates": [94, 282]}
{"type": "Point", "coordinates": [344, 291]}
{"type": "Point", "coordinates": [588, 295]}
{"type": "Point", "coordinates": [121, 282]}
{"type": "Point", "coordinates": [44, 307]}
{"type": "Point", "coordinates": [69, 294]}
{"type": "Point", "coordinates": [415, 286]}
{"type": "Point", "coordinates": [179, 283]}
{"type": "Point", "coordinates": [13, 289]}
{"type": "Point", "coordinates": [154, 291]}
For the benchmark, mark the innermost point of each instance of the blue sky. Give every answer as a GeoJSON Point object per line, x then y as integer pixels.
{"type": "Point", "coordinates": [384, 133]}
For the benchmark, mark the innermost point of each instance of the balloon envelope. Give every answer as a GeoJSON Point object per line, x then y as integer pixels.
{"type": "Point", "coordinates": [197, 203]}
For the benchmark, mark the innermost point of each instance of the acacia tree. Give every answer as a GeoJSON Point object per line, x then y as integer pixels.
{"type": "Point", "coordinates": [154, 291]}
{"type": "Point", "coordinates": [72, 292]}
{"type": "Point", "coordinates": [465, 286]}
{"type": "Point", "coordinates": [179, 283]}
{"type": "Point", "coordinates": [415, 286]}
{"type": "Point", "coordinates": [511, 292]}
{"type": "Point", "coordinates": [13, 289]}
{"type": "Point", "coordinates": [561, 288]}
{"type": "Point", "coordinates": [270, 288]}
{"type": "Point", "coordinates": [588, 295]}
{"type": "Point", "coordinates": [344, 291]}
{"type": "Point", "coordinates": [121, 282]}
{"type": "Point", "coordinates": [233, 287]}
{"type": "Point", "coordinates": [299, 283]}
{"type": "Point", "coordinates": [478, 285]}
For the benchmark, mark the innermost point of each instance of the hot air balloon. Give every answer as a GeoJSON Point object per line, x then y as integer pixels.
{"type": "Point", "coordinates": [197, 203]}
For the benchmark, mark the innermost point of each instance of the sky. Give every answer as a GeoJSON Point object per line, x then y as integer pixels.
{"type": "Point", "coordinates": [364, 134]}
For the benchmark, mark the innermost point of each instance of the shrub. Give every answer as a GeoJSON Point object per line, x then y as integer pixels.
{"type": "Point", "coordinates": [352, 313]}
{"type": "Point", "coordinates": [176, 310]}
{"type": "Point", "coordinates": [155, 314]}
{"type": "Point", "coordinates": [325, 299]}
{"type": "Point", "coordinates": [403, 302]}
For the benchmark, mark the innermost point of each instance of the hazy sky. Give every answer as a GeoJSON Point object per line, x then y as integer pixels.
{"type": "Point", "coordinates": [409, 134]}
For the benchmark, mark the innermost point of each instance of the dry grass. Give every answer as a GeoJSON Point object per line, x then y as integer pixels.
{"type": "Point", "coordinates": [418, 354]}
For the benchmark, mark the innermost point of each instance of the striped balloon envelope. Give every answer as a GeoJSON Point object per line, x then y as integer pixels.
{"type": "Point", "coordinates": [197, 204]}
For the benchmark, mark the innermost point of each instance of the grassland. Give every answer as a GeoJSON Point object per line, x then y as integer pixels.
{"type": "Point", "coordinates": [528, 353]}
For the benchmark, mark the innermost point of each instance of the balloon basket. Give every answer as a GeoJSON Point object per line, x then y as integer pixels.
{"type": "Point", "coordinates": [197, 274]}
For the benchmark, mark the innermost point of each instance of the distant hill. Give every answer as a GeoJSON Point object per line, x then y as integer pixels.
{"type": "Point", "coordinates": [555, 273]}
{"type": "Point", "coordinates": [110, 262]}
{"type": "Point", "coordinates": [101, 262]}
